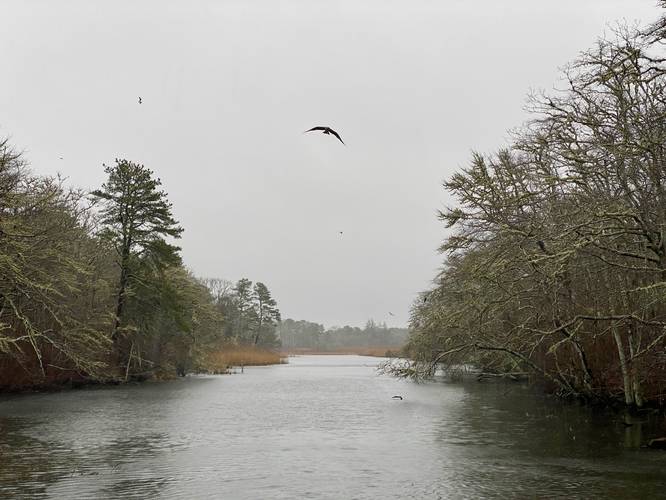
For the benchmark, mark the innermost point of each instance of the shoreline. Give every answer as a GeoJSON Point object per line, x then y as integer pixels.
{"type": "Point", "coordinates": [378, 352]}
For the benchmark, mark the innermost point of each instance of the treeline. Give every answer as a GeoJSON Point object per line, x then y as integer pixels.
{"type": "Point", "coordinates": [93, 288]}
{"type": "Point", "coordinates": [250, 311]}
{"type": "Point", "coordinates": [556, 263]}
{"type": "Point", "coordinates": [313, 336]}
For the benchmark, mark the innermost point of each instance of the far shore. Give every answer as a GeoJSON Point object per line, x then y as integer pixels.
{"type": "Point", "coordinates": [378, 351]}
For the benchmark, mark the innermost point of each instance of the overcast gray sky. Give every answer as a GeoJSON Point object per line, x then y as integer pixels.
{"type": "Point", "coordinates": [228, 87]}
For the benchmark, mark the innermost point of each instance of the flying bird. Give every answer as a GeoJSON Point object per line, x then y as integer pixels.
{"type": "Point", "coordinates": [326, 130]}
{"type": "Point", "coordinates": [397, 397]}
{"type": "Point", "coordinates": [140, 101]}
{"type": "Point", "coordinates": [391, 313]}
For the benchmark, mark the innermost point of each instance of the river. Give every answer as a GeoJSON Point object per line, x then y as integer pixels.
{"type": "Point", "coordinates": [320, 427]}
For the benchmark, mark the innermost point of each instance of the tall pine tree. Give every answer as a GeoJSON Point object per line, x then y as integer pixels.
{"type": "Point", "coordinates": [136, 217]}
{"type": "Point", "coordinates": [268, 315]}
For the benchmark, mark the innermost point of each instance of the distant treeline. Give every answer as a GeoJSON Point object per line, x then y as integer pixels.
{"type": "Point", "coordinates": [556, 263]}
{"type": "Point", "coordinates": [313, 336]}
{"type": "Point", "coordinates": [250, 312]}
{"type": "Point", "coordinates": [92, 287]}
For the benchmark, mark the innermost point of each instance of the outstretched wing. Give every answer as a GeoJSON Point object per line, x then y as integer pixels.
{"type": "Point", "coordinates": [336, 135]}
{"type": "Point", "coordinates": [314, 128]}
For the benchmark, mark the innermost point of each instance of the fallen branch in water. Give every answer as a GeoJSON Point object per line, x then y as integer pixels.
{"type": "Point", "coordinates": [516, 376]}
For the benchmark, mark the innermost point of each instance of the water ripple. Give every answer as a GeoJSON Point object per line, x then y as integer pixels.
{"type": "Point", "coordinates": [322, 427]}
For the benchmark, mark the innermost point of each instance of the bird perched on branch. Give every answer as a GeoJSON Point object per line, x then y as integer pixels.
{"type": "Point", "coordinates": [542, 246]}
{"type": "Point", "coordinates": [327, 131]}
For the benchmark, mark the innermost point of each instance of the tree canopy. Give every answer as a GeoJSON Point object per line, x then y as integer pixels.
{"type": "Point", "coordinates": [96, 291]}
{"type": "Point", "coordinates": [556, 263]}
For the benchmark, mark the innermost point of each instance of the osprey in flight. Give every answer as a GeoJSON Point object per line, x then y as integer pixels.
{"type": "Point", "coordinates": [326, 130]}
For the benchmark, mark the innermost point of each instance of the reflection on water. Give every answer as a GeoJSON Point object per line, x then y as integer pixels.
{"type": "Point", "coordinates": [320, 427]}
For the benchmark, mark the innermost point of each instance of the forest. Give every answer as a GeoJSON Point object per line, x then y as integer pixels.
{"type": "Point", "coordinates": [93, 287]}
{"type": "Point", "coordinates": [555, 261]}
{"type": "Point", "coordinates": [309, 336]}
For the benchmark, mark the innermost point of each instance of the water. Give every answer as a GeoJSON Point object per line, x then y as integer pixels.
{"type": "Point", "coordinates": [320, 427]}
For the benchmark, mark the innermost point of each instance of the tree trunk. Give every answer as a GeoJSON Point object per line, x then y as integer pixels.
{"type": "Point", "coordinates": [635, 384]}
{"type": "Point", "coordinates": [628, 392]}
{"type": "Point", "coordinates": [585, 367]}
{"type": "Point", "coordinates": [120, 305]}
{"type": "Point", "coordinates": [261, 321]}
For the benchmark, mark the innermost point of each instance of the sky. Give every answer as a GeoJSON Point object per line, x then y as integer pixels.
{"type": "Point", "coordinates": [229, 86]}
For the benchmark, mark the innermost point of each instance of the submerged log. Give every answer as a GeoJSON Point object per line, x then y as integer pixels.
{"type": "Point", "coordinates": [658, 443]}
{"type": "Point", "coordinates": [516, 376]}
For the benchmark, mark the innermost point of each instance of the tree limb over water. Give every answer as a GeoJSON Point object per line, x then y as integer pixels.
{"type": "Point", "coordinates": [557, 259]}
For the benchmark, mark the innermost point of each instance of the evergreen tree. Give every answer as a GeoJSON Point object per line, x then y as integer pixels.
{"type": "Point", "coordinates": [136, 217]}
{"type": "Point", "coordinates": [267, 316]}
{"type": "Point", "coordinates": [244, 309]}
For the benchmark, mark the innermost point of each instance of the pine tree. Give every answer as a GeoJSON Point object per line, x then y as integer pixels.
{"type": "Point", "coordinates": [244, 308]}
{"type": "Point", "coordinates": [267, 313]}
{"type": "Point", "coordinates": [136, 217]}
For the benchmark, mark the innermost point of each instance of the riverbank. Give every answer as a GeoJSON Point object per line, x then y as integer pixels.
{"type": "Point", "coordinates": [216, 362]}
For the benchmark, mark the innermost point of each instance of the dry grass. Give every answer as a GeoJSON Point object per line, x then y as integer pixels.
{"type": "Point", "coordinates": [220, 361]}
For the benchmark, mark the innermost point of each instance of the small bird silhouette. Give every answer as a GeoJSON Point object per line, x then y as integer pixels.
{"type": "Point", "coordinates": [140, 101]}
{"type": "Point", "coordinates": [340, 233]}
{"type": "Point", "coordinates": [326, 130]}
{"type": "Point", "coordinates": [60, 157]}
{"type": "Point", "coordinates": [396, 397]}
{"type": "Point", "coordinates": [391, 313]}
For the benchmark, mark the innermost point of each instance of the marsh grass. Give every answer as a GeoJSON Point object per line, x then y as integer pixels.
{"type": "Point", "coordinates": [220, 361]}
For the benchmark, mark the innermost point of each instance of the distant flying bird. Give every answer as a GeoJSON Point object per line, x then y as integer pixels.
{"type": "Point", "coordinates": [140, 101]}
{"type": "Point", "coordinates": [60, 157]}
{"type": "Point", "coordinates": [326, 130]}
{"type": "Point", "coordinates": [397, 397]}
{"type": "Point", "coordinates": [340, 233]}
{"type": "Point", "coordinates": [391, 313]}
